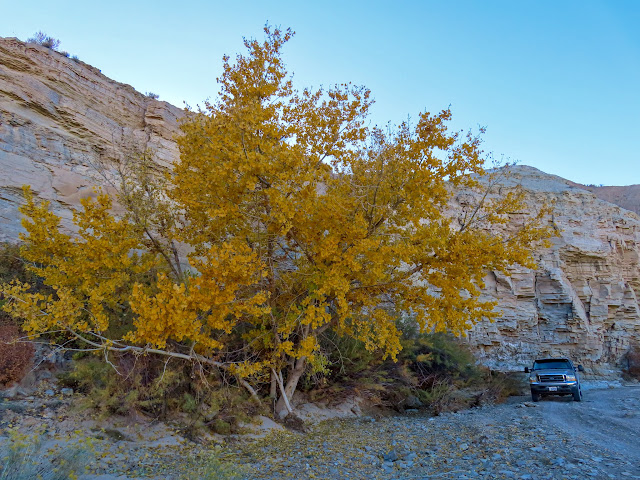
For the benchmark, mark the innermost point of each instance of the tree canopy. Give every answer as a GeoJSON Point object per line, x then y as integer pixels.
{"type": "Point", "coordinates": [285, 216]}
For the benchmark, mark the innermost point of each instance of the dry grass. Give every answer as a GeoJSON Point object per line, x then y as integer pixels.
{"type": "Point", "coordinates": [23, 457]}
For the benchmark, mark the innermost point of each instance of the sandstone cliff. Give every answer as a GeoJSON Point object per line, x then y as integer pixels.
{"type": "Point", "coordinates": [582, 302]}
{"type": "Point", "coordinates": [58, 117]}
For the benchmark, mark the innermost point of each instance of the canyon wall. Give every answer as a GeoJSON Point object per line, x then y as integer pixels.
{"type": "Point", "coordinates": [582, 301]}
{"type": "Point", "coordinates": [59, 118]}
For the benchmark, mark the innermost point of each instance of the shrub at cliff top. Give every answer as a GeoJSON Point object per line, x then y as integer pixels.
{"type": "Point", "coordinates": [45, 40]}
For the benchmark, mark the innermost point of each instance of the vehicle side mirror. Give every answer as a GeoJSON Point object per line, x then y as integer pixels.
{"type": "Point", "coordinates": [526, 369]}
{"type": "Point", "coordinates": [580, 368]}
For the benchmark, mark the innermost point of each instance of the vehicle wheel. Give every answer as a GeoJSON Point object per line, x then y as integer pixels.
{"type": "Point", "coordinates": [535, 396]}
{"type": "Point", "coordinates": [577, 395]}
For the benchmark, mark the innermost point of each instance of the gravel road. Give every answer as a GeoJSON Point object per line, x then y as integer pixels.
{"type": "Point", "coordinates": [609, 419]}
{"type": "Point", "coordinates": [553, 439]}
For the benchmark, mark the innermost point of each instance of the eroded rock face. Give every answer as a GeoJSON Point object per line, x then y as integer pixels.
{"type": "Point", "coordinates": [626, 196]}
{"type": "Point", "coordinates": [58, 119]}
{"type": "Point", "coordinates": [582, 302]}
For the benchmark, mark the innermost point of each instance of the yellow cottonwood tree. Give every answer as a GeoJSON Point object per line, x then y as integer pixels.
{"type": "Point", "coordinates": [300, 218]}
{"type": "Point", "coordinates": [90, 274]}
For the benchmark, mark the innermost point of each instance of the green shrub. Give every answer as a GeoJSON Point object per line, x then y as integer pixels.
{"type": "Point", "coordinates": [342, 364]}
{"type": "Point", "coordinates": [436, 357]}
{"type": "Point", "coordinates": [446, 377]}
{"type": "Point", "coordinates": [189, 403]}
{"type": "Point", "coordinates": [500, 385]}
{"type": "Point", "coordinates": [221, 427]}
{"type": "Point", "coordinates": [347, 357]}
{"type": "Point", "coordinates": [12, 266]}
{"type": "Point", "coordinates": [128, 384]}
{"type": "Point", "coordinates": [435, 371]}
{"type": "Point", "coordinates": [194, 398]}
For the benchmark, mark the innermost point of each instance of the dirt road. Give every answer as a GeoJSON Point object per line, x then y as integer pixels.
{"type": "Point", "coordinates": [555, 438]}
{"type": "Point", "coordinates": [608, 418]}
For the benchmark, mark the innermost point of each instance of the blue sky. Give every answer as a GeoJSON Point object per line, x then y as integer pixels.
{"type": "Point", "coordinates": [556, 83]}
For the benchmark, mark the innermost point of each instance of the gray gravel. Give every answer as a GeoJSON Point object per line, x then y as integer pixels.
{"type": "Point", "coordinates": [553, 439]}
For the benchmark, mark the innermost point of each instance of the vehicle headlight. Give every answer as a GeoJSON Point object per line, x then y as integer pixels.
{"type": "Point", "coordinates": [533, 379]}
{"type": "Point", "coordinates": [571, 378]}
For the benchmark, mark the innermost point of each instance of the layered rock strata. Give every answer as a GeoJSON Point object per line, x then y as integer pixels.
{"type": "Point", "coordinates": [59, 119]}
{"type": "Point", "coordinates": [582, 302]}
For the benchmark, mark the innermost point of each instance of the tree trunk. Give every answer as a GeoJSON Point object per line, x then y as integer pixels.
{"type": "Point", "coordinates": [273, 390]}
{"type": "Point", "coordinates": [292, 383]}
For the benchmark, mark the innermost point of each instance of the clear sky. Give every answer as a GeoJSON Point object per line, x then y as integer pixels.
{"type": "Point", "coordinates": [556, 82]}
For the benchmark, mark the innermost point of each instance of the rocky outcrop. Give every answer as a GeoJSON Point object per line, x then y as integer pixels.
{"type": "Point", "coordinates": [58, 119]}
{"type": "Point", "coordinates": [626, 196]}
{"type": "Point", "coordinates": [582, 302]}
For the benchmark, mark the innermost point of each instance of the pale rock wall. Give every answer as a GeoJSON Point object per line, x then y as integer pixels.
{"type": "Point", "coordinates": [582, 302]}
{"type": "Point", "coordinates": [58, 118]}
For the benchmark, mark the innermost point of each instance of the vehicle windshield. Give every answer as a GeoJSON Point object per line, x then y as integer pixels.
{"type": "Point", "coordinates": [552, 364]}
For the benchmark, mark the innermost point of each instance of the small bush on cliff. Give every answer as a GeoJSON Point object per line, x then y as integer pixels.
{"type": "Point", "coordinates": [45, 40]}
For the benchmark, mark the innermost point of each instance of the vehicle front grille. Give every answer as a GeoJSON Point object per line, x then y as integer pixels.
{"type": "Point", "coordinates": [551, 378]}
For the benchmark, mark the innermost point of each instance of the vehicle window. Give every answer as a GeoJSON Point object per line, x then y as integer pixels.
{"type": "Point", "coordinates": [541, 365]}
